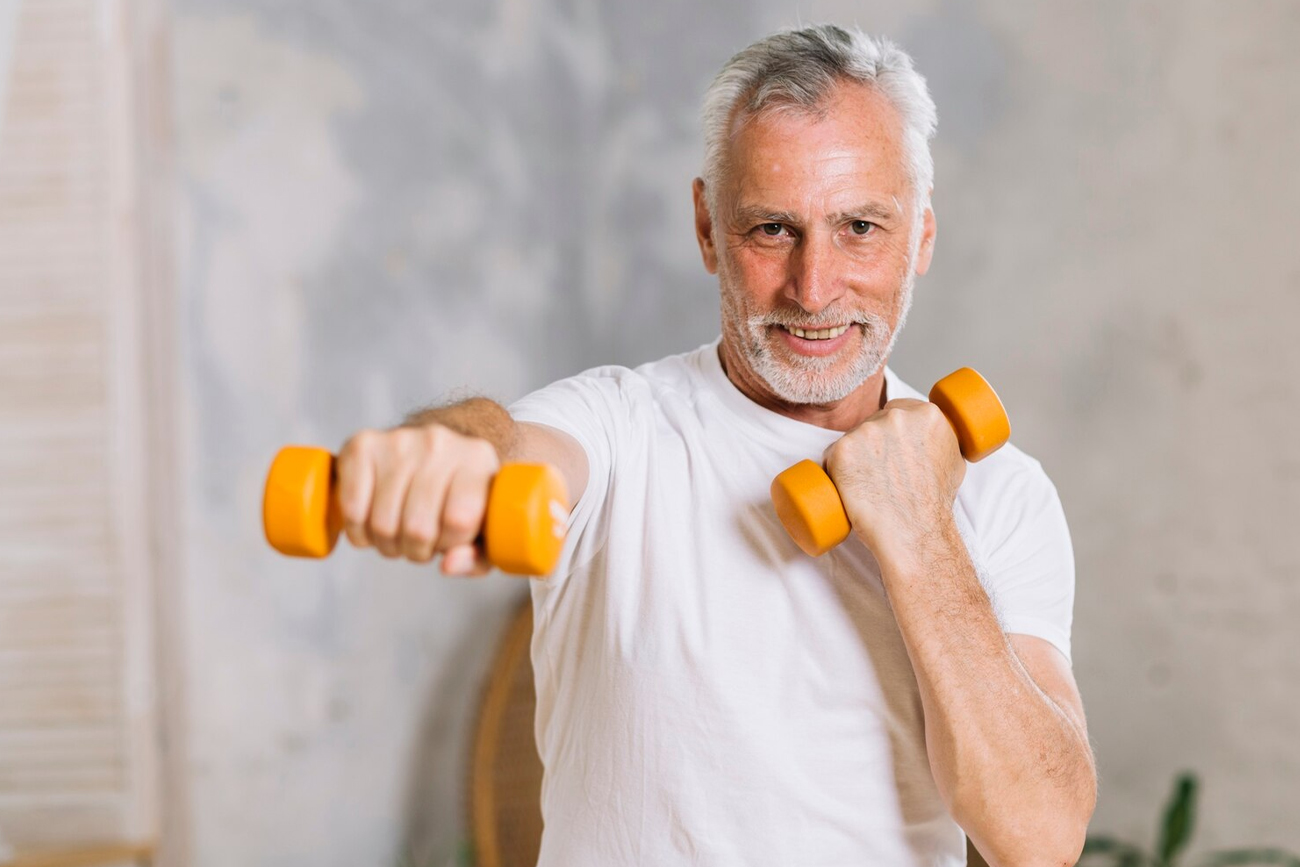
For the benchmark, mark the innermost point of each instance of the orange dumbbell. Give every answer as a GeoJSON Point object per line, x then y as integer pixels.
{"type": "Point", "coordinates": [805, 497]}
{"type": "Point", "coordinates": [523, 530]}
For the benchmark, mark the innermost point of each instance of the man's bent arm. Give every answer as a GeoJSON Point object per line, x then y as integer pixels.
{"type": "Point", "coordinates": [1015, 770]}
{"type": "Point", "coordinates": [514, 441]}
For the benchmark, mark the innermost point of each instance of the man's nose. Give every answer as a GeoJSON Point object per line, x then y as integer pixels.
{"type": "Point", "coordinates": [815, 278]}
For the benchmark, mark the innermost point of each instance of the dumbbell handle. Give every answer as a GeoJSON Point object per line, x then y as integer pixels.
{"type": "Point", "coordinates": [808, 503]}
{"type": "Point", "coordinates": [523, 529]}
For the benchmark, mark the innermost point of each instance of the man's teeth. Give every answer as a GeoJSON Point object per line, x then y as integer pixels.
{"type": "Point", "coordinates": [822, 334]}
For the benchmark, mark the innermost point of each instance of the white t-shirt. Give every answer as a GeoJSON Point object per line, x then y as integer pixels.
{"type": "Point", "coordinates": [708, 694]}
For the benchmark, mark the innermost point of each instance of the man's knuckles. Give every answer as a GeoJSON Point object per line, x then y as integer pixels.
{"type": "Point", "coordinates": [417, 533]}
{"type": "Point", "coordinates": [898, 422]}
{"type": "Point", "coordinates": [359, 445]}
{"type": "Point", "coordinates": [383, 531]}
{"type": "Point", "coordinates": [428, 456]}
{"type": "Point", "coordinates": [462, 520]}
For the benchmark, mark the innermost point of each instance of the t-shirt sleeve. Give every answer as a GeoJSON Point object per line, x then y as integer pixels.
{"type": "Point", "coordinates": [1028, 557]}
{"type": "Point", "coordinates": [590, 408]}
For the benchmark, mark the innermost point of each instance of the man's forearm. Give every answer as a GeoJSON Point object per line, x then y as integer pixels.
{"type": "Point", "coordinates": [1014, 770]}
{"type": "Point", "coordinates": [477, 417]}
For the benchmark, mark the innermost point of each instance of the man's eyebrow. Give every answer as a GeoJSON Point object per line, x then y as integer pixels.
{"type": "Point", "coordinates": [874, 211]}
{"type": "Point", "coordinates": [747, 214]}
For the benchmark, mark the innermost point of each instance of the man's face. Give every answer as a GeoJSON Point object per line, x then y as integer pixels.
{"type": "Point", "coordinates": [817, 244]}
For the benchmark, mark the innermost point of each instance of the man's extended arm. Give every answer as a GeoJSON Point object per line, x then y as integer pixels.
{"type": "Point", "coordinates": [420, 489]}
{"type": "Point", "coordinates": [478, 417]}
{"type": "Point", "coordinates": [514, 441]}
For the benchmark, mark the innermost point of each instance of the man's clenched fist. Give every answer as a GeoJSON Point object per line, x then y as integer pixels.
{"type": "Point", "coordinates": [897, 473]}
{"type": "Point", "coordinates": [416, 491]}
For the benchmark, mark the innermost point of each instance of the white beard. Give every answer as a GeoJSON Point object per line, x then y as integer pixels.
{"type": "Point", "coordinates": [804, 380]}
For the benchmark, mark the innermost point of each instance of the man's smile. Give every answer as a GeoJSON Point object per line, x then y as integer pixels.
{"type": "Point", "coordinates": [816, 343]}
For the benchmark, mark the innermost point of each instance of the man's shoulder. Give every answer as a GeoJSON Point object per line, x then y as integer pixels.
{"type": "Point", "coordinates": [677, 372]}
{"type": "Point", "coordinates": [1008, 466]}
{"type": "Point", "coordinates": [1007, 495]}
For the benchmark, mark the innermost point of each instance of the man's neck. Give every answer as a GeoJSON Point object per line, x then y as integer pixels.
{"type": "Point", "coordinates": [842, 415]}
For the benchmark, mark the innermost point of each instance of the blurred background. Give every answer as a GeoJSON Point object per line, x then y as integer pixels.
{"type": "Point", "coordinates": [226, 225]}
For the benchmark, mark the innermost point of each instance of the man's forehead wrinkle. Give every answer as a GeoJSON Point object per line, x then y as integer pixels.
{"type": "Point", "coordinates": [765, 153]}
{"type": "Point", "coordinates": [841, 196]}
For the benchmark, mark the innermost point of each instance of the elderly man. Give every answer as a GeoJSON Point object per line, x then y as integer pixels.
{"type": "Point", "coordinates": [706, 693]}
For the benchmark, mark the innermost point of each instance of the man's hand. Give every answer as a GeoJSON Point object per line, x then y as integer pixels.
{"type": "Point", "coordinates": [897, 473]}
{"type": "Point", "coordinates": [416, 491]}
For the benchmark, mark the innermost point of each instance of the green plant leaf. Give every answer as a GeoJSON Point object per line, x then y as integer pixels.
{"type": "Point", "coordinates": [1250, 856]}
{"type": "Point", "coordinates": [1180, 818]}
{"type": "Point", "coordinates": [1124, 854]}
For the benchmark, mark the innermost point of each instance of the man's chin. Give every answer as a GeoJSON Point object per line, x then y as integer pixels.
{"type": "Point", "coordinates": [795, 386]}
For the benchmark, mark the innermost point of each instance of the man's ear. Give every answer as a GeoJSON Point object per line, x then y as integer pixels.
{"type": "Point", "coordinates": [925, 250]}
{"type": "Point", "coordinates": [704, 227]}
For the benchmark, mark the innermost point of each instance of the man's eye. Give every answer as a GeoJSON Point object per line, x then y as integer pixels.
{"type": "Point", "coordinates": [772, 229]}
{"type": "Point", "coordinates": [861, 227]}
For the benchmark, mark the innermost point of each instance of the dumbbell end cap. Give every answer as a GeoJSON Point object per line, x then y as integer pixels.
{"type": "Point", "coordinates": [810, 508]}
{"type": "Point", "coordinates": [975, 412]}
{"type": "Point", "coordinates": [527, 513]}
{"type": "Point", "coordinates": [299, 512]}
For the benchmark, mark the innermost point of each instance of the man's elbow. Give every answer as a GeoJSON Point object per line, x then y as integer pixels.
{"type": "Point", "coordinates": [1039, 852]}
{"type": "Point", "coordinates": [1054, 840]}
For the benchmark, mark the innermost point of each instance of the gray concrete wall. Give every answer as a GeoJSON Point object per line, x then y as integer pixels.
{"type": "Point", "coordinates": [382, 203]}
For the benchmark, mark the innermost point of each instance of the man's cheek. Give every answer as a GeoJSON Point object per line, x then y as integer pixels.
{"type": "Point", "coordinates": [761, 278]}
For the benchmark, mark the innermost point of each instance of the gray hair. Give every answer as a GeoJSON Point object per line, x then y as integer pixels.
{"type": "Point", "coordinates": [798, 69]}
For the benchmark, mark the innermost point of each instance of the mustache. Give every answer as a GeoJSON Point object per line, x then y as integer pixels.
{"type": "Point", "coordinates": [871, 320]}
